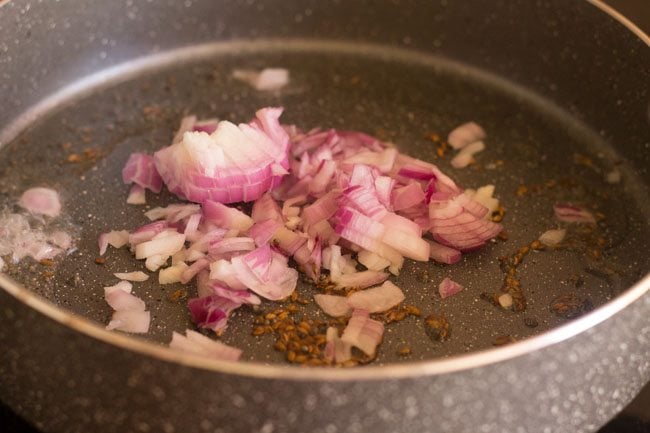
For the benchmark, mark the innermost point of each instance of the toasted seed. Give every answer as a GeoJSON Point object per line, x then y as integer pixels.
{"type": "Point", "coordinates": [258, 331]}
{"type": "Point", "coordinates": [279, 345]}
{"type": "Point", "coordinates": [404, 351]}
{"type": "Point", "coordinates": [437, 327]}
{"type": "Point", "coordinates": [291, 356]}
{"type": "Point", "coordinates": [502, 340]}
{"type": "Point", "coordinates": [505, 300]}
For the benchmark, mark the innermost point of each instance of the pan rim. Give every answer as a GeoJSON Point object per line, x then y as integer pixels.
{"type": "Point", "coordinates": [370, 373]}
{"type": "Point", "coordinates": [405, 370]}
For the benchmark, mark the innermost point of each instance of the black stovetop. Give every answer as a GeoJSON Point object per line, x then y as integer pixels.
{"type": "Point", "coordinates": [633, 419]}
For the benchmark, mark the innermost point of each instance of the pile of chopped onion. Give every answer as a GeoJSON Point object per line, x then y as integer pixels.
{"type": "Point", "coordinates": [340, 203]}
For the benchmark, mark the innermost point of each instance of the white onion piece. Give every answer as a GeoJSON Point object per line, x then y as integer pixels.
{"type": "Point", "coordinates": [172, 274]}
{"type": "Point", "coordinates": [465, 134]}
{"type": "Point", "coordinates": [226, 217]}
{"type": "Point", "coordinates": [347, 264]}
{"type": "Point", "coordinates": [377, 299]}
{"type": "Point", "coordinates": [363, 332]}
{"type": "Point", "coordinates": [198, 344]}
{"type": "Point", "coordinates": [484, 196]}
{"type": "Point", "coordinates": [553, 237]}
{"type": "Point", "coordinates": [132, 276]}
{"type": "Point", "coordinates": [361, 279]}
{"type": "Point", "coordinates": [372, 261]}
{"type": "Point", "coordinates": [168, 244]}
{"type": "Point", "coordinates": [41, 201]}
{"type": "Point", "coordinates": [133, 321]}
{"type": "Point", "coordinates": [443, 254]}
{"type": "Point", "coordinates": [120, 300]}
{"type": "Point", "coordinates": [335, 306]}
{"type": "Point", "coordinates": [191, 231]}
{"type": "Point", "coordinates": [173, 213]}
{"type": "Point", "coordinates": [413, 247]}
{"type": "Point", "coordinates": [114, 238]}
{"type": "Point", "coordinates": [194, 255]}
{"type": "Point", "coordinates": [466, 155]}
{"type": "Point", "coordinates": [137, 195]}
{"type": "Point", "coordinates": [122, 285]}
{"type": "Point", "coordinates": [180, 256]}
{"type": "Point", "coordinates": [335, 349]}
{"type": "Point", "coordinates": [222, 270]}
{"type": "Point", "coordinates": [268, 79]}
{"type": "Point", "coordinates": [153, 263]}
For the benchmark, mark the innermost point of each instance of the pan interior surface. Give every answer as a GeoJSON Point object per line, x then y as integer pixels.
{"type": "Point", "coordinates": [536, 155]}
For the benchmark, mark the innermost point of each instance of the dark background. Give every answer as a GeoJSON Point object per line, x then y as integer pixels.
{"type": "Point", "coordinates": [634, 419]}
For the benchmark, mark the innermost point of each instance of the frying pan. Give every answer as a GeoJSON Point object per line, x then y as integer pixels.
{"type": "Point", "coordinates": [562, 89]}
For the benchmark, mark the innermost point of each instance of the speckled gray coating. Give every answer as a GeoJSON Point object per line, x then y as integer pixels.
{"type": "Point", "coordinates": [65, 381]}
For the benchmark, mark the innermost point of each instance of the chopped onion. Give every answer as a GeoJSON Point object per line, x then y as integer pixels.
{"type": "Point", "coordinates": [121, 300]}
{"type": "Point", "coordinates": [137, 195]}
{"type": "Point", "coordinates": [173, 213]}
{"type": "Point", "coordinates": [231, 245]}
{"type": "Point", "coordinates": [466, 155]}
{"type": "Point", "coordinates": [122, 285]}
{"type": "Point", "coordinates": [553, 237]}
{"type": "Point", "coordinates": [114, 238]}
{"type": "Point", "coordinates": [194, 269]}
{"type": "Point", "coordinates": [41, 201]}
{"type": "Point", "coordinates": [141, 170]}
{"type": "Point", "coordinates": [226, 217]}
{"type": "Point", "coordinates": [448, 288]}
{"type": "Point", "coordinates": [377, 299]}
{"type": "Point", "coordinates": [267, 79]}
{"type": "Point", "coordinates": [363, 332]}
{"type": "Point", "coordinates": [465, 134]}
{"type": "Point", "coordinates": [262, 232]}
{"type": "Point", "coordinates": [484, 196]}
{"type": "Point", "coordinates": [134, 321]}
{"type": "Point", "coordinates": [132, 276]}
{"type": "Point", "coordinates": [342, 193]}
{"type": "Point", "coordinates": [335, 349]}
{"type": "Point", "coordinates": [372, 261]}
{"type": "Point", "coordinates": [407, 196]}
{"type": "Point", "coordinates": [155, 262]}
{"type": "Point", "coordinates": [146, 232]}
{"type": "Point", "coordinates": [443, 254]}
{"type": "Point", "coordinates": [233, 164]}
{"type": "Point", "coordinates": [266, 273]}
{"type": "Point", "coordinates": [198, 344]}
{"type": "Point", "coordinates": [335, 306]}
{"type": "Point", "coordinates": [211, 312]}
{"type": "Point", "coordinates": [572, 213]}
{"type": "Point", "coordinates": [223, 271]}
{"type": "Point", "coordinates": [361, 279]}
{"type": "Point", "coordinates": [166, 243]}
{"type": "Point", "coordinates": [172, 274]}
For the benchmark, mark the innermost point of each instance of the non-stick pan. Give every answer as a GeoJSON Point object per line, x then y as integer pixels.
{"type": "Point", "coordinates": [562, 89]}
